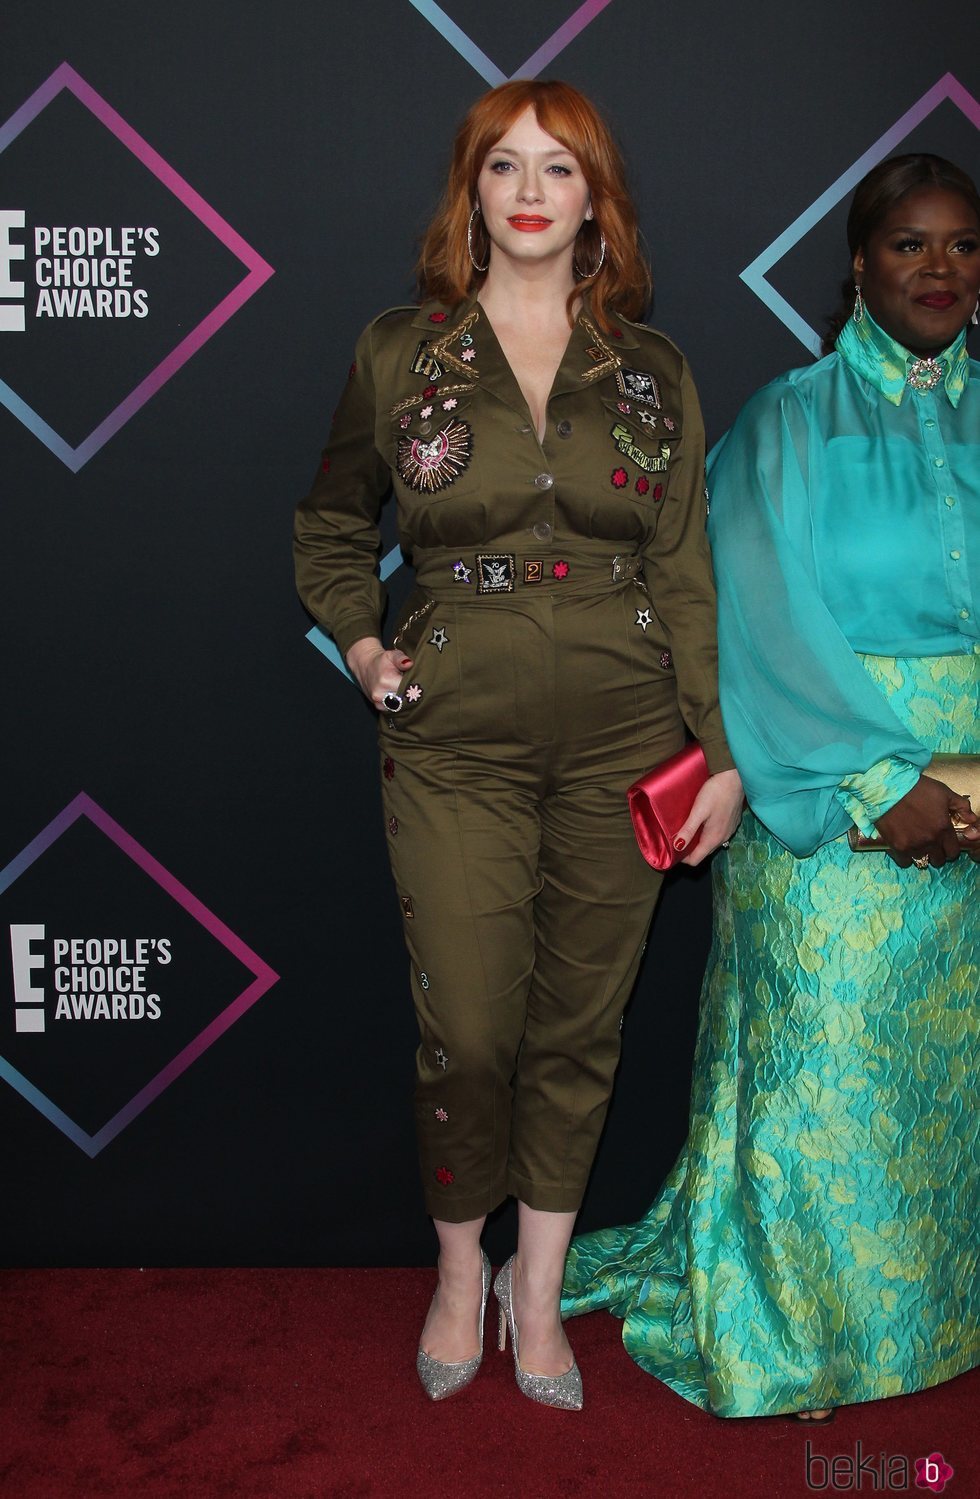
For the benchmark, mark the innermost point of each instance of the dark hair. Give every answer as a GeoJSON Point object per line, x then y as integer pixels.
{"type": "Point", "coordinates": [445, 270]}
{"type": "Point", "coordinates": [874, 198]}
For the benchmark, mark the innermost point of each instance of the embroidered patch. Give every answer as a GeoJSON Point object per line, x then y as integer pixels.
{"type": "Point", "coordinates": [666, 660]}
{"type": "Point", "coordinates": [596, 354]}
{"type": "Point", "coordinates": [325, 466]}
{"type": "Point", "coordinates": [643, 618]}
{"type": "Point", "coordinates": [605, 361]}
{"type": "Point", "coordinates": [425, 413]}
{"type": "Point", "coordinates": [425, 363]}
{"type": "Point", "coordinates": [638, 385]}
{"type": "Point", "coordinates": [642, 486]}
{"type": "Point", "coordinates": [393, 826]}
{"type": "Point", "coordinates": [389, 768]}
{"type": "Point", "coordinates": [445, 1177]}
{"type": "Point", "coordinates": [433, 464]}
{"type": "Point", "coordinates": [424, 980]}
{"type": "Point", "coordinates": [533, 572]}
{"type": "Point", "coordinates": [407, 908]}
{"type": "Point", "coordinates": [413, 694]}
{"type": "Point", "coordinates": [670, 424]}
{"type": "Point", "coordinates": [648, 419]}
{"type": "Point", "coordinates": [352, 371]}
{"type": "Point", "coordinates": [468, 355]}
{"type": "Point", "coordinates": [430, 390]}
{"type": "Point", "coordinates": [404, 421]}
{"type": "Point", "coordinates": [624, 407]}
{"type": "Point", "coordinates": [466, 339]}
{"type": "Point", "coordinates": [560, 570]}
{"type": "Point", "coordinates": [619, 478]}
{"type": "Point", "coordinates": [623, 438]}
{"type": "Point", "coordinates": [658, 491]}
{"type": "Point", "coordinates": [495, 572]}
{"type": "Point", "coordinates": [461, 573]}
{"type": "Point", "coordinates": [442, 1116]}
{"type": "Point", "coordinates": [441, 1059]}
{"type": "Point", "coordinates": [438, 638]}
{"type": "Point", "coordinates": [438, 317]}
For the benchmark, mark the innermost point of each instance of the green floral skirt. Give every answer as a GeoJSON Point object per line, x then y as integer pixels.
{"type": "Point", "coordinates": [817, 1241]}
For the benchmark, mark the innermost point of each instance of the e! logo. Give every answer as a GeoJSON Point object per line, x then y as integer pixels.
{"type": "Point", "coordinates": [27, 997]}
{"type": "Point", "coordinates": [11, 317]}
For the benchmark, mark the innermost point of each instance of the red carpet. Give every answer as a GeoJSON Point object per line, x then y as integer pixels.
{"type": "Point", "coordinates": [300, 1384]}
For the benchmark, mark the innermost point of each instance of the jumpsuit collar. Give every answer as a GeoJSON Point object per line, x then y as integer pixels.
{"type": "Point", "coordinates": [464, 343]}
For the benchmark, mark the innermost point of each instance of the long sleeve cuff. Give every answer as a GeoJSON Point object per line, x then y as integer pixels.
{"type": "Point", "coordinates": [869, 794]}
{"type": "Point", "coordinates": [718, 755]}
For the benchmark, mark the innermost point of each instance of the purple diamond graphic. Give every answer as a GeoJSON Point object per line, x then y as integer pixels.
{"type": "Point", "coordinates": [545, 54]}
{"type": "Point", "coordinates": [258, 270]}
{"type": "Point", "coordinates": [263, 976]}
{"type": "Point", "coordinates": [754, 275]}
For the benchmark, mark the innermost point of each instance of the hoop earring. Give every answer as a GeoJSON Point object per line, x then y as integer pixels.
{"type": "Point", "coordinates": [858, 313]}
{"type": "Point", "coordinates": [469, 242]}
{"type": "Point", "coordinates": [589, 275]}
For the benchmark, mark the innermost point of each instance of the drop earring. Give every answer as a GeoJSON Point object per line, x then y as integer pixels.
{"type": "Point", "coordinates": [858, 313]}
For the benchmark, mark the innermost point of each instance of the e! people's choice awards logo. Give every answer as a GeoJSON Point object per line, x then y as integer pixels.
{"type": "Point", "coordinates": [107, 259]}
{"type": "Point", "coordinates": [119, 977]}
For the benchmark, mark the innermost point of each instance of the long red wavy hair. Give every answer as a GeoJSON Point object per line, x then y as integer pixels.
{"type": "Point", "coordinates": [623, 285]}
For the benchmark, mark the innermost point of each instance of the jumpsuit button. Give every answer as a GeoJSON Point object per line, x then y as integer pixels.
{"type": "Point", "coordinates": [541, 531]}
{"type": "Point", "coordinates": [425, 428]}
{"type": "Point", "coordinates": [564, 428]}
{"type": "Point", "coordinates": [524, 429]}
{"type": "Point", "coordinates": [544, 481]}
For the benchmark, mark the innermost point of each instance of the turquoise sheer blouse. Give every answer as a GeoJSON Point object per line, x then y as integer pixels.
{"type": "Point", "coordinates": [845, 520]}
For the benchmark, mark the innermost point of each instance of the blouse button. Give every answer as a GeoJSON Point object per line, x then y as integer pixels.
{"type": "Point", "coordinates": [544, 481]}
{"type": "Point", "coordinates": [564, 429]}
{"type": "Point", "coordinates": [964, 614]}
{"type": "Point", "coordinates": [930, 423]}
{"type": "Point", "coordinates": [955, 556]}
{"type": "Point", "coordinates": [541, 531]}
{"type": "Point", "coordinates": [951, 500]}
{"type": "Point", "coordinates": [939, 462]}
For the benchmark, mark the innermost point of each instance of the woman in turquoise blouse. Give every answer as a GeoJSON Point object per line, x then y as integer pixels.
{"type": "Point", "coordinates": [816, 1243]}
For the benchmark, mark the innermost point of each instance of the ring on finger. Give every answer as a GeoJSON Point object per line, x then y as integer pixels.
{"type": "Point", "coordinates": [922, 862]}
{"type": "Point", "coordinates": [392, 701]}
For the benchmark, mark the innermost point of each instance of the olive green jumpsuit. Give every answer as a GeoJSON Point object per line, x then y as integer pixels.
{"type": "Point", "coordinates": [562, 635]}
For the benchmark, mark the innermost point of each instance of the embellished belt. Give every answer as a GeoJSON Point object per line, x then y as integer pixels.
{"type": "Point", "coordinates": [502, 572]}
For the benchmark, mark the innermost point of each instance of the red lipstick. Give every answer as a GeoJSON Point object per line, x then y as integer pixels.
{"type": "Point", "coordinates": [938, 300]}
{"type": "Point", "coordinates": [528, 223]}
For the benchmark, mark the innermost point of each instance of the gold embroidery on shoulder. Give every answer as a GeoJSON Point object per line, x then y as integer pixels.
{"type": "Point", "coordinates": [442, 351]}
{"type": "Point", "coordinates": [606, 359]}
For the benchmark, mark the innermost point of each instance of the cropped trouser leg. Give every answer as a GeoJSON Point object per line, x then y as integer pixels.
{"type": "Point", "coordinates": [525, 900]}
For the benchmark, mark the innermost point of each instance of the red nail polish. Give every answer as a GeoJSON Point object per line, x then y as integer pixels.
{"type": "Point", "coordinates": [679, 844]}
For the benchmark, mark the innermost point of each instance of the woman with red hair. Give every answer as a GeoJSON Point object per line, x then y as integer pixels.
{"type": "Point", "coordinates": [547, 457]}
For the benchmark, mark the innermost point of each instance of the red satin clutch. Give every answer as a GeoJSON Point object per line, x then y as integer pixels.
{"type": "Point", "coordinates": [660, 803]}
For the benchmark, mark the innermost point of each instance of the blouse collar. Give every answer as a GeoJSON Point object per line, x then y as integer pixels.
{"type": "Point", "coordinates": [891, 369]}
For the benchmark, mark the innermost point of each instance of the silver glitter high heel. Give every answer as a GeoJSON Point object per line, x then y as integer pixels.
{"type": "Point", "coordinates": [563, 1391]}
{"type": "Point", "coordinates": [442, 1380]}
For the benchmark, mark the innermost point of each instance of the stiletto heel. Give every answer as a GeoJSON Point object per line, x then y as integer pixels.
{"type": "Point", "coordinates": [441, 1380]}
{"type": "Point", "coordinates": [563, 1391]}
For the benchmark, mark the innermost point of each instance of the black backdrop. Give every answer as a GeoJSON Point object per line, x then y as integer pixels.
{"type": "Point", "coordinates": [182, 767]}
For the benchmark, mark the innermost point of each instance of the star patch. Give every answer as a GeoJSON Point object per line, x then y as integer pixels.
{"type": "Point", "coordinates": [407, 908]}
{"type": "Point", "coordinates": [441, 1059]}
{"type": "Point", "coordinates": [438, 638]}
{"type": "Point", "coordinates": [648, 419]}
{"type": "Point", "coordinates": [429, 465]}
{"type": "Point", "coordinates": [643, 618]}
{"type": "Point", "coordinates": [495, 572]}
{"type": "Point", "coordinates": [461, 573]}
{"type": "Point", "coordinates": [639, 386]}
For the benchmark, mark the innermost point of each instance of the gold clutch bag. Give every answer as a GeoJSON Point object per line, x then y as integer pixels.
{"type": "Point", "coordinates": [961, 773]}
